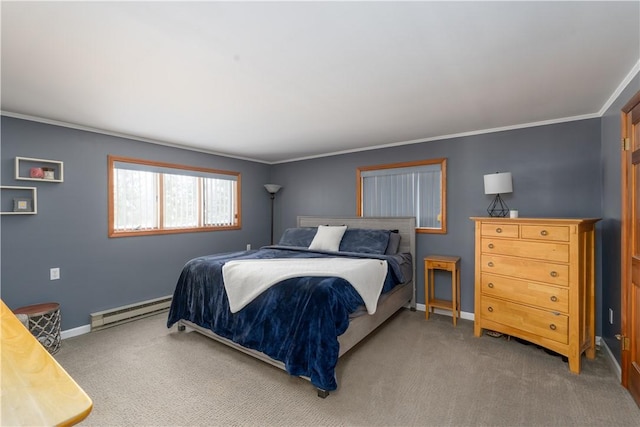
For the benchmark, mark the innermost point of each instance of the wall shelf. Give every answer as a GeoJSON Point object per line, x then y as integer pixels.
{"type": "Point", "coordinates": [11, 197]}
{"type": "Point", "coordinates": [24, 165]}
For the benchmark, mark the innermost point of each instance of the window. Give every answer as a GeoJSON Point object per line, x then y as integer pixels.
{"type": "Point", "coordinates": [148, 197]}
{"type": "Point", "coordinates": [406, 189]}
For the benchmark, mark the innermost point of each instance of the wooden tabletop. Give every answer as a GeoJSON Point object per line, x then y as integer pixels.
{"type": "Point", "coordinates": [35, 389]}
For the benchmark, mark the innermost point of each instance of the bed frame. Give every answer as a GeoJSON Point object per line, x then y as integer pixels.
{"type": "Point", "coordinates": [361, 326]}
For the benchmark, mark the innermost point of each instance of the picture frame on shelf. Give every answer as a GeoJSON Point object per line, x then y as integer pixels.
{"type": "Point", "coordinates": [22, 204]}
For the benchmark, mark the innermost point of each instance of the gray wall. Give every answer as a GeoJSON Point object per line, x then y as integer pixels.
{"type": "Point", "coordinates": [611, 216]}
{"type": "Point", "coordinates": [556, 173]}
{"type": "Point", "coordinates": [70, 229]}
{"type": "Point", "coordinates": [564, 170]}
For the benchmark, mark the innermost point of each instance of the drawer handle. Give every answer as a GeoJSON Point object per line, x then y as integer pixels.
{"type": "Point", "coordinates": [490, 245]}
{"type": "Point", "coordinates": [490, 309]}
{"type": "Point", "coordinates": [552, 327]}
{"type": "Point", "coordinates": [543, 233]}
{"type": "Point", "coordinates": [498, 230]}
{"type": "Point", "coordinates": [554, 298]}
{"type": "Point", "coordinates": [490, 264]}
{"type": "Point", "coordinates": [490, 285]}
{"type": "Point", "coordinates": [554, 274]}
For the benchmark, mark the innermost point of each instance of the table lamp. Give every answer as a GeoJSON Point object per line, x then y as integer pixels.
{"type": "Point", "coordinates": [498, 183]}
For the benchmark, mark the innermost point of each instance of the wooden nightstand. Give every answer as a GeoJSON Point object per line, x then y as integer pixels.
{"type": "Point", "coordinates": [446, 263]}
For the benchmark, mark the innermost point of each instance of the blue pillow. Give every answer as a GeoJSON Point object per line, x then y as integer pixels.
{"type": "Point", "coordinates": [367, 241]}
{"type": "Point", "coordinates": [302, 236]}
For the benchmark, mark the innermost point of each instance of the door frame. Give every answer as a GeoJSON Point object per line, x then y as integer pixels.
{"type": "Point", "coordinates": [625, 230]}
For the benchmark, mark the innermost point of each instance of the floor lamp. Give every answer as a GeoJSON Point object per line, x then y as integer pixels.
{"type": "Point", "coordinates": [272, 189]}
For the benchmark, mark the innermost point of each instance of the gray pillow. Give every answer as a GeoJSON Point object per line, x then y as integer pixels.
{"type": "Point", "coordinates": [394, 243]}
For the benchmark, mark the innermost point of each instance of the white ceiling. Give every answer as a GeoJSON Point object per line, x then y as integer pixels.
{"type": "Point", "coordinates": [276, 81]}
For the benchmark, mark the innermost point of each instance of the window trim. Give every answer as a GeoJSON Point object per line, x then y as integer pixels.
{"type": "Point", "coordinates": [442, 161]}
{"type": "Point", "coordinates": [111, 160]}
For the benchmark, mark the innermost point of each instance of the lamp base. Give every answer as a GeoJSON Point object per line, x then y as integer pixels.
{"type": "Point", "coordinates": [498, 208]}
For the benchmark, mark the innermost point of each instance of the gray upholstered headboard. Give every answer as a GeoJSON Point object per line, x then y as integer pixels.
{"type": "Point", "coordinates": [406, 226]}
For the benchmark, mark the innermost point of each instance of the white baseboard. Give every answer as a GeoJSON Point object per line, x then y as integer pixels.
{"type": "Point", "coordinates": [463, 314]}
{"type": "Point", "coordinates": [80, 330]}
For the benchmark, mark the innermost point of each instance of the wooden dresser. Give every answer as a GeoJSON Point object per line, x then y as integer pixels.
{"type": "Point", "coordinates": [535, 279]}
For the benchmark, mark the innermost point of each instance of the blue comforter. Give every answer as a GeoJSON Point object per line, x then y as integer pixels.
{"type": "Point", "coordinates": [297, 321]}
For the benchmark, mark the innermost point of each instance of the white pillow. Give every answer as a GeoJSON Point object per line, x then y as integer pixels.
{"type": "Point", "coordinates": [328, 238]}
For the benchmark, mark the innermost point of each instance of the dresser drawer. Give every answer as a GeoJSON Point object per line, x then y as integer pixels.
{"type": "Point", "coordinates": [559, 233]}
{"type": "Point", "coordinates": [538, 250]}
{"type": "Point", "coordinates": [531, 320]}
{"type": "Point", "coordinates": [501, 230]}
{"type": "Point", "coordinates": [543, 296]}
{"type": "Point", "coordinates": [540, 271]}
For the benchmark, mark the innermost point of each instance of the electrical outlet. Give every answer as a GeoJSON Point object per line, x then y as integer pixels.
{"type": "Point", "coordinates": [610, 316]}
{"type": "Point", "coordinates": [54, 273]}
{"type": "Point", "coordinates": [248, 246]}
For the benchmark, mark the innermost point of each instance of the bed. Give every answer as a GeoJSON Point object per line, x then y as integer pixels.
{"type": "Point", "coordinates": [304, 322]}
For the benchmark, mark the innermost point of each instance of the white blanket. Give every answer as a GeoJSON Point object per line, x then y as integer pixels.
{"type": "Point", "coordinates": [244, 280]}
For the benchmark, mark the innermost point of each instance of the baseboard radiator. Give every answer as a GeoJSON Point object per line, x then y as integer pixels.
{"type": "Point", "coordinates": [128, 313]}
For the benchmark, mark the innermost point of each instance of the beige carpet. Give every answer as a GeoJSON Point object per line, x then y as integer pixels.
{"type": "Point", "coordinates": [411, 372]}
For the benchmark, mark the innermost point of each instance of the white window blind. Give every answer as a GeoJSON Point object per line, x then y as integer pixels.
{"type": "Point", "coordinates": [149, 196]}
{"type": "Point", "coordinates": [404, 191]}
{"type": "Point", "coordinates": [180, 201]}
{"type": "Point", "coordinates": [219, 196]}
{"type": "Point", "coordinates": [135, 200]}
